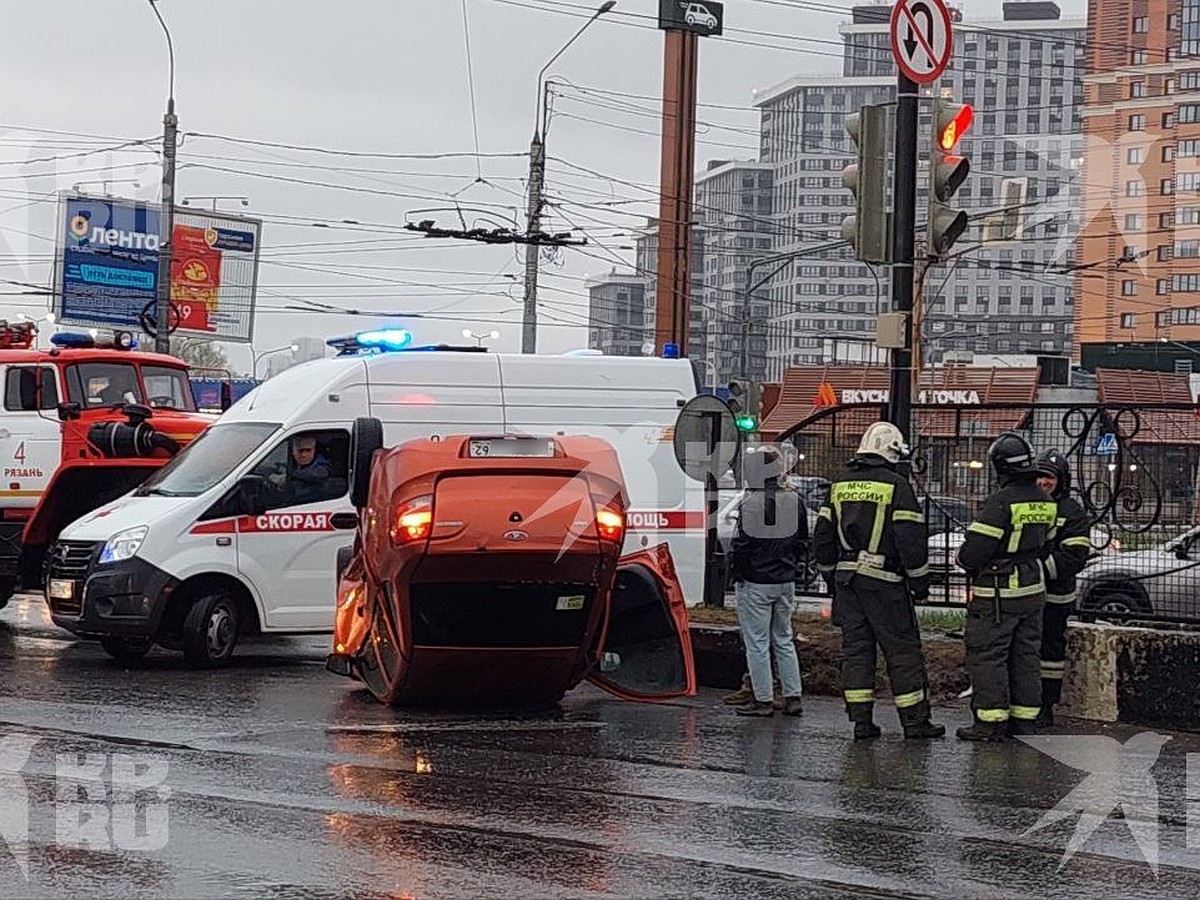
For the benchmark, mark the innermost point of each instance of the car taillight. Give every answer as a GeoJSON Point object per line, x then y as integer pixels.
{"type": "Point", "coordinates": [414, 521]}
{"type": "Point", "coordinates": [610, 525]}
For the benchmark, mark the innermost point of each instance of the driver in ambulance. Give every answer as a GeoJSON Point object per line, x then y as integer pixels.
{"type": "Point", "coordinates": [308, 472]}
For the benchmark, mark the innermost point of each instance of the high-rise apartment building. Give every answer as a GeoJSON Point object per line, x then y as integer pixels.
{"type": "Point", "coordinates": [733, 207]}
{"type": "Point", "coordinates": [1139, 250]}
{"type": "Point", "coordinates": [1023, 74]}
{"type": "Point", "coordinates": [616, 313]}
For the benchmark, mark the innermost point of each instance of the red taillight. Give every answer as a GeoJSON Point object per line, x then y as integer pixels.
{"type": "Point", "coordinates": [610, 525]}
{"type": "Point", "coordinates": [414, 521]}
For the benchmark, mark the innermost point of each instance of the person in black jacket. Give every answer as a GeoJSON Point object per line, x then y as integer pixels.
{"type": "Point", "coordinates": [1002, 555]}
{"type": "Point", "coordinates": [871, 539]}
{"type": "Point", "coordinates": [1063, 558]}
{"type": "Point", "coordinates": [768, 553]}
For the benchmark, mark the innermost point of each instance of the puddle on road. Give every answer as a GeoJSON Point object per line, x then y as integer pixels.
{"type": "Point", "coordinates": [505, 725]}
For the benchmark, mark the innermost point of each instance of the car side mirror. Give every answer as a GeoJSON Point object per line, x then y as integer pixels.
{"type": "Point", "coordinates": [252, 495]}
{"type": "Point", "coordinates": [69, 411]}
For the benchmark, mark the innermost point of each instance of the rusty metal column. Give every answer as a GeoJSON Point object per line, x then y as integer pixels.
{"type": "Point", "coordinates": [673, 297]}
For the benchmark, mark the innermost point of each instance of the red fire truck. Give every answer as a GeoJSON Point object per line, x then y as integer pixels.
{"type": "Point", "coordinates": [82, 423]}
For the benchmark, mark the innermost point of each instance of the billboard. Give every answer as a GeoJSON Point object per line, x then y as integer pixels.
{"type": "Point", "coordinates": [106, 268]}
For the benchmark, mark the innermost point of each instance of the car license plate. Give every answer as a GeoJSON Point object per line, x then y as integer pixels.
{"type": "Point", "coordinates": [62, 590]}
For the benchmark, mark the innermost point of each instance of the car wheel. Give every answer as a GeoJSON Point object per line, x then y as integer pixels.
{"type": "Point", "coordinates": [365, 438]}
{"type": "Point", "coordinates": [1120, 601]}
{"type": "Point", "coordinates": [210, 631]}
{"type": "Point", "coordinates": [126, 650]}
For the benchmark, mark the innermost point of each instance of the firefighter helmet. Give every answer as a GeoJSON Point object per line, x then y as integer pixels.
{"type": "Point", "coordinates": [1054, 464]}
{"type": "Point", "coordinates": [883, 439]}
{"type": "Point", "coordinates": [1011, 455]}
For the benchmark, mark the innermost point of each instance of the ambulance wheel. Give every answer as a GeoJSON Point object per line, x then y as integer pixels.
{"type": "Point", "coordinates": [210, 631]}
{"type": "Point", "coordinates": [365, 438]}
{"type": "Point", "coordinates": [125, 650]}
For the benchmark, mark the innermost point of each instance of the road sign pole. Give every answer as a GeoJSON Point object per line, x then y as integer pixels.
{"type": "Point", "coordinates": [903, 239]}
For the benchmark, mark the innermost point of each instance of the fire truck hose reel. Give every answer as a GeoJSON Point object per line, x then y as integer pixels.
{"type": "Point", "coordinates": [117, 440]}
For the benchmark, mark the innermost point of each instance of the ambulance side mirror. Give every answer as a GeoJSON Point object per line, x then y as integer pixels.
{"type": "Point", "coordinates": [252, 495]}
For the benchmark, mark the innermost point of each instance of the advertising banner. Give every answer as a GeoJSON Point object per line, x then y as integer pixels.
{"type": "Point", "coordinates": [107, 268]}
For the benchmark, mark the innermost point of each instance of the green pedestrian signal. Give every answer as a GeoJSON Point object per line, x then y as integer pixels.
{"type": "Point", "coordinates": [746, 423]}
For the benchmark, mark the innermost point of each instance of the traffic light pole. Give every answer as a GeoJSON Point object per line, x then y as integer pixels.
{"type": "Point", "coordinates": [903, 241]}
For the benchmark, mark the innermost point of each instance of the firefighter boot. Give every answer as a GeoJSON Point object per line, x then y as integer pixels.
{"type": "Point", "coordinates": [1023, 726]}
{"type": "Point", "coordinates": [984, 731]}
{"type": "Point", "coordinates": [862, 714]}
{"type": "Point", "coordinates": [917, 725]}
{"type": "Point", "coordinates": [1045, 717]}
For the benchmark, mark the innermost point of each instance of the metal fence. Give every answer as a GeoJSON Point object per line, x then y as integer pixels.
{"type": "Point", "coordinates": [1135, 470]}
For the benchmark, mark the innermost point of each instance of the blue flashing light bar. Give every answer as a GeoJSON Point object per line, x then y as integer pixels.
{"type": "Point", "coordinates": [670, 351]}
{"type": "Point", "coordinates": [72, 340]}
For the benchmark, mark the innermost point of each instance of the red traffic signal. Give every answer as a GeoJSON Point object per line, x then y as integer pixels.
{"type": "Point", "coordinates": [954, 126]}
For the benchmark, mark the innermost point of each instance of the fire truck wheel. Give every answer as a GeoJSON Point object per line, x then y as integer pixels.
{"type": "Point", "coordinates": [125, 650]}
{"type": "Point", "coordinates": [210, 631]}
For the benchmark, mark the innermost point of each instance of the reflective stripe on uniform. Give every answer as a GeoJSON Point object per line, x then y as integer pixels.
{"type": "Point", "coordinates": [918, 573]}
{"type": "Point", "coordinates": [991, 715]}
{"type": "Point", "coordinates": [1025, 713]}
{"type": "Point", "coordinates": [879, 493]}
{"type": "Point", "coordinates": [904, 701]}
{"type": "Point", "coordinates": [1081, 541]}
{"type": "Point", "coordinates": [1051, 568]}
{"type": "Point", "coordinates": [869, 571]}
{"type": "Point", "coordinates": [1008, 592]}
{"type": "Point", "coordinates": [822, 567]}
{"type": "Point", "coordinates": [1037, 512]}
{"type": "Point", "coordinates": [907, 515]}
{"type": "Point", "coordinates": [1054, 670]}
{"type": "Point", "coordinates": [860, 695]}
{"type": "Point", "coordinates": [1062, 599]}
{"type": "Point", "coordinates": [987, 530]}
{"type": "Point", "coordinates": [825, 513]}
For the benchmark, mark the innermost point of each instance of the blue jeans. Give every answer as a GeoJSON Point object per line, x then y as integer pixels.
{"type": "Point", "coordinates": [765, 616]}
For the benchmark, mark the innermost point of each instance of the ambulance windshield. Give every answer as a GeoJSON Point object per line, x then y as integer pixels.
{"type": "Point", "coordinates": [207, 460]}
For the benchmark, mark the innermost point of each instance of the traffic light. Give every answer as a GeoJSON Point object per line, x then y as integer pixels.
{"type": "Point", "coordinates": [947, 172]}
{"type": "Point", "coordinates": [746, 423]}
{"type": "Point", "coordinates": [867, 230]}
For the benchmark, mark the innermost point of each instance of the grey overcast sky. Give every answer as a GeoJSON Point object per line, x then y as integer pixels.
{"type": "Point", "coordinates": [384, 77]}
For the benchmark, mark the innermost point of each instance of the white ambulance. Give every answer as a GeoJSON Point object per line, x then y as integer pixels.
{"type": "Point", "coordinates": [240, 533]}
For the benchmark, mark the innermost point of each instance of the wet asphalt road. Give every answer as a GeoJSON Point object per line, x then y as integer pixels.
{"type": "Point", "coordinates": [282, 780]}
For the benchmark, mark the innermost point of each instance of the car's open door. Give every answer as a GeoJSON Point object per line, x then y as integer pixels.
{"type": "Point", "coordinates": [647, 649]}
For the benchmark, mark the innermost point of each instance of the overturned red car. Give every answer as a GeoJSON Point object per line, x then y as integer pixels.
{"type": "Point", "coordinates": [489, 571]}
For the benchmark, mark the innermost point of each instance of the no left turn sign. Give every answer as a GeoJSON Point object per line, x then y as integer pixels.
{"type": "Point", "coordinates": [921, 38]}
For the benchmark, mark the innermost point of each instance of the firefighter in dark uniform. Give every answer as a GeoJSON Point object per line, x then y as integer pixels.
{"type": "Point", "coordinates": [1002, 555]}
{"type": "Point", "coordinates": [1063, 558]}
{"type": "Point", "coordinates": [873, 545]}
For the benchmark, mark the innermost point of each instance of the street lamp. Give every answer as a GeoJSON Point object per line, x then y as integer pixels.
{"type": "Point", "coordinates": [187, 201]}
{"type": "Point", "coordinates": [480, 338]}
{"type": "Point", "coordinates": [162, 337]}
{"type": "Point", "coordinates": [257, 356]}
{"type": "Point", "coordinates": [537, 177]}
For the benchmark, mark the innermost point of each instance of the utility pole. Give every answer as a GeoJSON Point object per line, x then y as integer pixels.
{"type": "Point", "coordinates": [162, 317]}
{"type": "Point", "coordinates": [903, 239]}
{"type": "Point", "coordinates": [537, 179]}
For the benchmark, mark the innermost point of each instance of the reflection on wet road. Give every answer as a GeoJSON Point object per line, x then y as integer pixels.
{"type": "Point", "coordinates": [281, 779]}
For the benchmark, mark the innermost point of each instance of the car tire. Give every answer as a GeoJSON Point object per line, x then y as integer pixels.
{"type": "Point", "coordinates": [210, 631]}
{"type": "Point", "coordinates": [365, 438]}
{"type": "Point", "coordinates": [126, 650]}
{"type": "Point", "coordinates": [1114, 598]}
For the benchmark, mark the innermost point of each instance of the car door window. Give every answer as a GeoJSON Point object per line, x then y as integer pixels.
{"type": "Point", "coordinates": [306, 467]}
{"type": "Point", "coordinates": [21, 387]}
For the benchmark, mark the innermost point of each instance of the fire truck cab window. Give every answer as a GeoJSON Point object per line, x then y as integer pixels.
{"type": "Point", "coordinates": [168, 388]}
{"type": "Point", "coordinates": [21, 389]}
{"type": "Point", "coordinates": [103, 384]}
